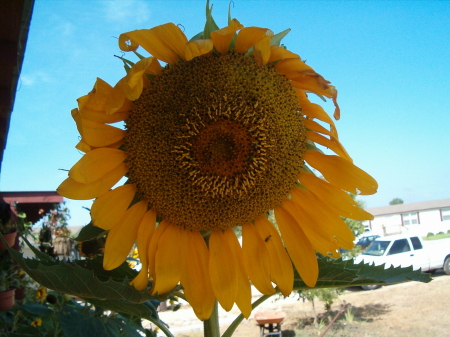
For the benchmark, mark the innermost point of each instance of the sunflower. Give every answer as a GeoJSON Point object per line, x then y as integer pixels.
{"type": "Point", "coordinates": [41, 293]}
{"type": "Point", "coordinates": [219, 132]}
{"type": "Point", "coordinates": [37, 322]}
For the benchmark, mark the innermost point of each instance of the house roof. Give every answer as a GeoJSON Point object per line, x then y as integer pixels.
{"type": "Point", "coordinates": [31, 203]}
{"type": "Point", "coordinates": [15, 17]}
{"type": "Point", "coordinates": [408, 208]}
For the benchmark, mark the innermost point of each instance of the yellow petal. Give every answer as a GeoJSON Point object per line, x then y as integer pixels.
{"type": "Point", "coordinates": [121, 237]}
{"type": "Point", "coordinates": [109, 208]}
{"type": "Point", "coordinates": [100, 135]}
{"type": "Point", "coordinates": [165, 42]}
{"type": "Point", "coordinates": [256, 259]}
{"type": "Point", "coordinates": [342, 173]}
{"type": "Point", "coordinates": [83, 146]}
{"type": "Point", "coordinates": [153, 247]}
{"type": "Point", "coordinates": [117, 98]}
{"type": "Point", "coordinates": [316, 127]}
{"type": "Point", "coordinates": [102, 117]}
{"type": "Point", "coordinates": [249, 36]}
{"type": "Point", "coordinates": [244, 295]}
{"type": "Point", "coordinates": [154, 68]}
{"type": "Point", "coordinates": [334, 198]}
{"type": "Point", "coordinates": [329, 225]}
{"type": "Point", "coordinates": [96, 164]}
{"type": "Point", "coordinates": [78, 120]}
{"type": "Point", "coordinates": [195, 276]}
{"type": "Point", "coordinates": [281, 270]}
{"type": "Point", "coordinates": [221, 38]}
{"type": "Point", "coordinates": [279, 53]}
{"type": "Point", "coordinates": [168, 266]}
{"type": "Point", "coordinates": [197, 48]}
{"type": "Point", "coordinates": [223, 269]}
{"type": "Point", "coordinates": [298, 246]}
{"type": "Point", "coordinates": [92, 106]}
{"type": "Point", "coordinates": [72, 189]}
{"type": "Point", "coordinates": [293, 68]}
{"type": "Point", "coordinates": [134, 78]}
{"type": "Point", "coordinates": [172, 36]}
{"type": "Point", "coordinates": [262, 51]}
{"type": "Point", "coordinates": [101, 92]}
{"type": "Point", "coordinates": [140, 282]}
{"type": "Point", "coordinates": [317, 84]}
{"type": "Point", "coordinates": [321, 242]}
{"type": "Point", "coordinates": [332, 144]}
{"type": "Point", "coordinates": [144, 235]}
{"type": "Point", "coordinates": [314, 110]}
{"type": "Point", "coordinates": [130, 87]}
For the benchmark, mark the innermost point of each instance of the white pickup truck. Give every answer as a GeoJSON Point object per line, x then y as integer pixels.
{"type": "Point", "coordinates": [405, 251]}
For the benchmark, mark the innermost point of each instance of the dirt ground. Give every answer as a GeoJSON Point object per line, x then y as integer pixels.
{"type": "Point", "coordinates": [410, 309]}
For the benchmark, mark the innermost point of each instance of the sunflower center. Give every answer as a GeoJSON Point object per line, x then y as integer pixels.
{"type": "Point", "coordinates": [215, 142]}
{"type": "Point", "coordinates": [223, 148]}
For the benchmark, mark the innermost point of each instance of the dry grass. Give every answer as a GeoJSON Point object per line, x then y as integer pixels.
{"type": "Point", "coordinates": [410, 309]}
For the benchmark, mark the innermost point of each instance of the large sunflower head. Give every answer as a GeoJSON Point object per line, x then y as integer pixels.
{"type": "Point", "coordinates": [216, 136]}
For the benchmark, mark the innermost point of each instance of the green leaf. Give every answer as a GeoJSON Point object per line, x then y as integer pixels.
{"type": "Point", "coordinates": [36, 309]}
{"type": "Point", "coordinates": [198, 36]}
{"type": "Point", "coordinates": [144, 310]}
{"type": "Point", "coordinates": [276, 39]}
{"type": "Point", "coordinates": [90, 232]}
{"type": "Point", "coordinates": [38, 253]}
{"type": "Point", "coordinates": [138, 55]}
{"type": "Point", "coordinates": [339, 273]}
{"type": "Point", "coordinates": [118, 274]}
{"type": "Point", "coordinates": [76, 324]}
{"type": "Point", "coordinates": [210, 24]}
{"type": "Point", "coordinates": [71, 278]}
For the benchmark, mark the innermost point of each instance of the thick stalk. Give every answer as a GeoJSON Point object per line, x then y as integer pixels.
{"type": "Point", "coordinates": [211, 326]}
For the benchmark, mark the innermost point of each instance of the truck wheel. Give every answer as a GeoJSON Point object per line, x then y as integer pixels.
{"type": "Point", "coordinates": [371, 287]}
{"type": "Point", "coordinates": [447, 266]}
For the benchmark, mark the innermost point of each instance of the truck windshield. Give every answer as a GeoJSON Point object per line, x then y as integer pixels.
{"type": "Point", "coordinates": [377, 248]}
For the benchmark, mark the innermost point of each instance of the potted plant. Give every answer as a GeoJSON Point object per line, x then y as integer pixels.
{"type": "Point", "coordinates": [8, 281]}
{"type": "Point", "coordinates": [7, 226]}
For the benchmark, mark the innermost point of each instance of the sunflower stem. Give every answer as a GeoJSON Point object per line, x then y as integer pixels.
{"type": "Point", "coordinates": [229, 332]}
{"type": "Point", "coordinates": [211, 325]}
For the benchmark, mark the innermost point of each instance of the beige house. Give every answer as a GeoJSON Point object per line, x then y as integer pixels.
{"type": "Point", "coordinates": [418, 218]}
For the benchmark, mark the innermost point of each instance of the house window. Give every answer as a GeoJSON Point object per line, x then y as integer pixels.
{"type": "Point", "coordinates": [410, 218]}
{"type": "Point", "coordinates": [445, 214]}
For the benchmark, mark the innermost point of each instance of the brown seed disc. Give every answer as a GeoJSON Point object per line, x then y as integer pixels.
{"type": "Point", "coordinates": [216, 141]}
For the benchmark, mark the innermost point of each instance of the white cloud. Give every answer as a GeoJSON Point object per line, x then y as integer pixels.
{"type": "Point", "coordinates": [127, 10]}
{"type": "Point", "coordinates": [66, 28]}
{"type": "Point", "coordinates": [37, 77]}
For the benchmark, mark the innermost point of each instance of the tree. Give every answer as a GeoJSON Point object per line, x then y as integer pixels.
{"type": "Point", "coordinates": [355, 226]}
{"type": "Point", "coordinates": [396, 201]}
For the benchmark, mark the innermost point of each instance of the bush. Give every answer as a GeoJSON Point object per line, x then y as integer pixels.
{"type": "Point", "coordinates": [430, 234]}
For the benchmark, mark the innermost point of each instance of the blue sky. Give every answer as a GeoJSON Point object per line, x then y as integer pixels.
{"type": "Point", "coordinates": [388, 59]}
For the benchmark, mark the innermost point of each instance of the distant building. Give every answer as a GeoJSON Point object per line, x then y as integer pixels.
{"type": "Point", "coordinates": [419, 218]}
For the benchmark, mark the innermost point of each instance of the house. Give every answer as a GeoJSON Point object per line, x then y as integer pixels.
{"type": "Point", "coordinates": [419, 218]}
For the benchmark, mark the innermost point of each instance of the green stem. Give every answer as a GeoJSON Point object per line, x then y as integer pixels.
{"type": "Point", "coordinates": [163, 328]}
{"type": "Point", "coordinates": [229, 332]}
{"type": "Point", "coordinates": [179, 294]}
{"type": "Point", "coordinates": [211, 326]}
